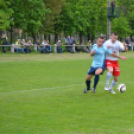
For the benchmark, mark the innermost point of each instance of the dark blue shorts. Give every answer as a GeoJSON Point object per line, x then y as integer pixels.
{"type": "Point", "coordinates": [92, 70]}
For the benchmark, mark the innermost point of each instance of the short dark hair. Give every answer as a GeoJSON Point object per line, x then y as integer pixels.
{"type": "Point", "coordinates": [101, 37]}
{"type": "Point", "coordinates": [115, 33]}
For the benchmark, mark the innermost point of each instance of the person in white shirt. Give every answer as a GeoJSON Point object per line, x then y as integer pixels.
{"type": "Point", "coordinates": [112, 62]}
{"type": "Point", "coordinates": [48, 47]}
{"type": "Point", "coordinates": [43, 46]}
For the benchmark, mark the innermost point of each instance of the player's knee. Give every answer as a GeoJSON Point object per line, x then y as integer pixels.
{"type": "Point", "coordinates": [87, 78]}
{"type": "Point", "coordinates": [110, 71]}
{"type": "Point", "coordinates": [98, 72]}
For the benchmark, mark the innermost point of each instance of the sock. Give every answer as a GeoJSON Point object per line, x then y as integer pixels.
{"type": "Point", "coordinates": [96, 80]}
{"type": "Point", "coordinates": [88, 84]}
{"type": "Point", "coordinates": [108, 77]}
{"type": "Point", "coordinates": [113, 84]}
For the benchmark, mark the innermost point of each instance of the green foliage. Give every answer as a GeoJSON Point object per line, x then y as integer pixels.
{"type": "Point", "coordinates": [127, 7]}
{"type": "Point", "coordinates": [68, 16]}
{"type": "Point", "coordinates": [83, 16]}
{"type": "Point", "coordinates": [28, 14]}
{"type": "Point", "coordinates": [54, 8]}
{"type": "Point", "coordinates": [5, 14]}
{"type": "Point", "coordinates": [121, 26]}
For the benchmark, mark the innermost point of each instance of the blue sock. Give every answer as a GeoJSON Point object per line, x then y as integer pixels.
{"type": "Point", "coordinates": [88, 84]}
{"type": "Point", "coordinates": [96, 80]}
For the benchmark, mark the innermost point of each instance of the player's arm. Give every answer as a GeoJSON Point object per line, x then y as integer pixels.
{"type": "Point", "coordinates": [117, 56]}
{"type": "Point", "coordinates": [125, 47]}
{"type": "Point", "coordinates": [93, 51]}
{"type": "Point", "coordinates": [114, 55]}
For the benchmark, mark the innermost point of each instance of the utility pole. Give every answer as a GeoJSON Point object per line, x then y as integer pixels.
{"type": "Point", "coordinates": [108, 21]}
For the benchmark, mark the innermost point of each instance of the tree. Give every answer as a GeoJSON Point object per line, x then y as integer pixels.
{"type": "Point", "coordinates": [28, 15]}
{"type": "Point", "coordinates": [121, 26]}
{"type": "Point", "coordinates": [5, 14]}
{"type": "Point", "coordinates": [127, 12]}
{"type": "Point", "coordinates": [85, 17]}
{"type": "Point", "coordinates": [54, 8]}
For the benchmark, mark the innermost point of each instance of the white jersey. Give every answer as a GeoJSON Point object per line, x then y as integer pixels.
{"type": "Point", "coordinates": [44, 43]}
{"type": "Point", "coordinates": [114, 47]}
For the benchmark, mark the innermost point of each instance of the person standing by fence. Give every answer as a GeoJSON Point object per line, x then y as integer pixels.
{"type": "Point", "coordinates": [4, 42]}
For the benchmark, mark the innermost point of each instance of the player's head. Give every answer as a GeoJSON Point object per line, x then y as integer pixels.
{"type": "Point", "coordinates": [114, 37]}
{"type": "Point", "coordinates": [100, 41]}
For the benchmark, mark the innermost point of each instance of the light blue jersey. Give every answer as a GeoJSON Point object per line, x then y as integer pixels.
{"type": "Point", "coordinates": [99, 56]}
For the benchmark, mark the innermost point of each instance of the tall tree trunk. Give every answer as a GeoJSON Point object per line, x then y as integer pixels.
{"type": "Point", "coordinates": [80, 35]}
{"type": "Point", "coordinates": [49, 38]}
{"type": "Point", "coordinates": [11, 34]}
{"type": "Point", "coordinates": [34, 38]}
{"type": "Point", "coordinates": [1, 33]}
{"type": "Point", "coordinates": [56, 37]}
{"type": "Point", "coordinates": [88, 34]}
{"type": "Point", "coordinates": [92, 38]}
{"type": "Point", "coordinates": [45, 36]}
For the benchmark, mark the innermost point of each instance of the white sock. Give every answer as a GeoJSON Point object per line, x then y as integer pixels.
{"type": "Point", "coordinates": [108, 77]}
{"type": "Point", "coordinates": [113, 84]}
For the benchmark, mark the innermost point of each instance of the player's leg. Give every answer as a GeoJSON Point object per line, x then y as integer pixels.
{"type": "Point", "coordinates": [88, 82]}
{"type": "Point", "coordinates": [96, 78]}
{"type": "Point", "coordinates": [109, 67]}
{"type": "Point", "coordinates": [90, 74]}
{"type": "Point", "coordinates": [114, 82]}
{"type": "Point", "coordinates": [50, 49]}
{"type": "Point", "coordinates": [109, 74]}
{"type": "Point", "coordinates": [116, 73]}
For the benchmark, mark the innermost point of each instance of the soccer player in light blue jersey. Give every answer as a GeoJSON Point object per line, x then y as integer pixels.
{"type": "Point", "coordinates": [98, 64]}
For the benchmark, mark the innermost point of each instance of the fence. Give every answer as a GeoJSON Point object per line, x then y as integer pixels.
{"type": "Point", "coordinates": [36, 46]}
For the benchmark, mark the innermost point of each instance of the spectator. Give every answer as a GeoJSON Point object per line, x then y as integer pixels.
{"type": "Point", "coordinates": [132, 43]}
{"type": "Point", "coordinates": [9, 48]}
{"type": "Point", "coordinates": [59, 49]}
{"type": "Point", "coordinates": [83, 47]}
{"type": "Point", "coordinates": [69, 40]}
{"type": "Point", "coordinates": [73, 41]}
{"type": "Point", "coordinates": [28, 46]}
{"type": "Point", "coordinates": [69, 46]}
{"type": "Point", "coordinates": [4, 42]}
{"type": "Point", "coordinates": [42, 46]}
{"type": "Point", "coordinates": [17, 47]}
{"type": "Point", "coordinates": [38, 44]}
{"type": "Point", "coordinates": [128, 43]}
{"type": "Point", "coordinates": [77, 49]}
{"type": "Point", "coordinates": [89, 45]}
{"type": "Point", "coordinates": [23, 44]}
{"type": "Point", "coordinates": [48, 47]}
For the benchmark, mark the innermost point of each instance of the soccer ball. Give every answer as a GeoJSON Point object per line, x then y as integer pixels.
{"type": "Point", "coordinates": [121, 88]}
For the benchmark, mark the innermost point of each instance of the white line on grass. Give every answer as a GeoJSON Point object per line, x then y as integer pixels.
{"type": "Point", "coordinates": [22, 91]}
{"type": "Point", "coordinates": [73, 85]}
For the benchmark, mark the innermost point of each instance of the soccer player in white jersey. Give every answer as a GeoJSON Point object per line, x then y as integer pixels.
{"type": "Point", "coordinates": [97, 67]}
{"type": "Point", "coordinates": [112, 62]}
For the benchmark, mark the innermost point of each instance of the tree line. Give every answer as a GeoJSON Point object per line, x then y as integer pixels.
{"type": "Point", "coordinates": [83, 17]}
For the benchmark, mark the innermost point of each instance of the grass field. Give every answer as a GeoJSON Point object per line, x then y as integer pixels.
{"type": "Point", "coordinates": [43, 94]}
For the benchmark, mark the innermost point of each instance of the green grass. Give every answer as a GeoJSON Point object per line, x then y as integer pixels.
{"type": "Point", "coordinates": [43, 94]}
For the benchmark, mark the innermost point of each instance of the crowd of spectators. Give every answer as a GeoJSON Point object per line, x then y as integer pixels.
{"type": "Point", "coordinates": [130, 43]}
{"type": "Point", "coordinates": [45, 47]}
{"type": "Point", "coordinates": [71, 45]}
